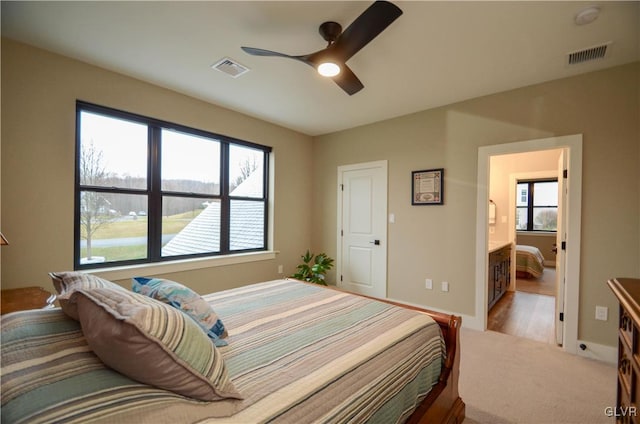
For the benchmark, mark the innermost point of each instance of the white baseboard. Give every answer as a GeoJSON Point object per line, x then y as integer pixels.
{"type": "Point", "coordinates": [598, 351]}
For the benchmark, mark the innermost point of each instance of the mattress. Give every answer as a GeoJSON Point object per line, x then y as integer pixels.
{"type": "Point", "coordinates": [296, 352]}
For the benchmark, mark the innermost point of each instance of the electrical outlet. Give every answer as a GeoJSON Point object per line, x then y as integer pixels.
{"type": "Point", "coordinates": [602, 313]}
{"type": "Point", "coordinates": [445, 286]}
{"type": "Point", "coordinates": [280, 269]}
{"type": "Point", "coordinates": [428, 284]}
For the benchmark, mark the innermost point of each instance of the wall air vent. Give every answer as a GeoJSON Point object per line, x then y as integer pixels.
{"type": "Point", "coordinates": [587, 55]}
{"type": "Point", "coordinates": [230, 67]}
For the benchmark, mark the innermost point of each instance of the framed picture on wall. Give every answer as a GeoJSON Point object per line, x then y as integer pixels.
{"type": "Point", "coordinates": [427, 187]}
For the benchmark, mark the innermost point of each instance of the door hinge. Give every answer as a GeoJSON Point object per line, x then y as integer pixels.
{"type": "Point", "coordinates": [342, 187]}
{"type": "Point", "coordinates": [565, 173]}
{"type": "Point", "coordinates": [341, 233]}
{"type": "Point", "coordinates": [564, 245]}
{"type": "Point", "coordinates": [341, 278]}
{"type": "Point", "coordinates": [561, 317]}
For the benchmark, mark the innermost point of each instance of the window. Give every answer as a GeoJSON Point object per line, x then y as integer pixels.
{"type": "Point", "coordinates": [150, 191]}
{"type": "Point", "coordinates": [537, 205]}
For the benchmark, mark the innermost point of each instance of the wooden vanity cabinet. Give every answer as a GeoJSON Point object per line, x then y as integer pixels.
{"type": "Point", "coordinates": [499, 277]}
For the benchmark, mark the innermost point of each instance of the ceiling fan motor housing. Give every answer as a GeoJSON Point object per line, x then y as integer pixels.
{"type": "Point", "coordinates": [330, 31]}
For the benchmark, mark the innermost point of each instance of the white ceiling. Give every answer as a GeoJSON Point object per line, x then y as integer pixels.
{"type": "Point", "coordinates": [435, 54]}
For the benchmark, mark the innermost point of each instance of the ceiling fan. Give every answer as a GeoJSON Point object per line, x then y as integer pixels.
{"type": "Point", "coordinates": [331, 61]}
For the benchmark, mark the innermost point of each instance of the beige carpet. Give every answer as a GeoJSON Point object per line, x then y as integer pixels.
{"type": "Point", "coordinates": [545, 284]}
{"type": "Point", "coordinates": [506, 379]}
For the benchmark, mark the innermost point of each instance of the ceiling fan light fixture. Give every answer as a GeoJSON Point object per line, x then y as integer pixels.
{"type": "Point", "coordinates": [328, 69]}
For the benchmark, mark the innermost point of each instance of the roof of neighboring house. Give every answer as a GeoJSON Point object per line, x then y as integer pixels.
{"type": "Point", "coordinates": [202, 234]}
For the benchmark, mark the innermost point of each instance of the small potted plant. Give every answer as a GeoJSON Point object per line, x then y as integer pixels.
{"type": "Point", "coordinates": [314, 268]}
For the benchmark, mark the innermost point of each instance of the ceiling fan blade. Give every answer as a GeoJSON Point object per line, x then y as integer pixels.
{"type": "Point", "coordinates": [347, 80]}
{"type": "Point", "coordinates": [262, 52]}
{"type": "Point", "coordinates": [365, 28]}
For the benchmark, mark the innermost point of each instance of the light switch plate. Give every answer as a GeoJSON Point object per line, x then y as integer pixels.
{"type": "Point", "coordinates": [602, 313]}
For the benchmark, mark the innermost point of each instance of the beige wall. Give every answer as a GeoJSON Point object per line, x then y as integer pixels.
{"type": "Point", "coordinates": [439, 241]}
{"type": "Point", "coordinates": [39, 91]}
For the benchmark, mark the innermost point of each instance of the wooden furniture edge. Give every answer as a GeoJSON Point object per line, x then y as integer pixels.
{"type": "Point", "coordinates": [443, 403]}
{"type": "Point", "coordinates": [25, 298]}
{"type": "Point", "coordinates": [625, 299]}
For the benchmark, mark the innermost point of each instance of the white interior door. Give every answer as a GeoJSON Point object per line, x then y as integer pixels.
{"type": "Point", "coordinates": [362, 228]}
{"type": "Point", "coordinates": [560, 242]}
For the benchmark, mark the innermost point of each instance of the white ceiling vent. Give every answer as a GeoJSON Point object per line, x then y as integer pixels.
{"type": "Point", "coordinates": [230, 67]}
{"type": "Point", "coordinates": [589, 54]}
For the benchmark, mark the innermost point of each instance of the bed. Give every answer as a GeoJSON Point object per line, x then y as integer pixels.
{"type": "Point", "coordinates": [529, 262]}
{"type": "Point", "coordinates": [295, 352]}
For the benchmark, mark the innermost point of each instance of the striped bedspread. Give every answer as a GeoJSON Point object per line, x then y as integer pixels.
{"type": "Point", "coordinates": [298, 353]}
{"type": "Point", "coordinates": [529, 259]}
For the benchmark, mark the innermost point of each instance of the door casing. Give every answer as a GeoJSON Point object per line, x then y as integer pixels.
{"type": "Point", "coordinates": [573, 144]}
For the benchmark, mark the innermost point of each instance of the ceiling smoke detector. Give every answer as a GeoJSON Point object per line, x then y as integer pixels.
{"type": "Point", "coordinates": [230, 67]}
{"type": "Point", "coordinates": [588, 15]}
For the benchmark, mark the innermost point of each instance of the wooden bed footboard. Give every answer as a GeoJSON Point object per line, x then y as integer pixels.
{"type": "Point", "coordinates": [443, 403]}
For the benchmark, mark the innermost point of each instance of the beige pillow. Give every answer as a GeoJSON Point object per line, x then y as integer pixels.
{"type": "Point", "coordinates": [153, 343]}
{"type": "Point", "coordinates": [66, 283]}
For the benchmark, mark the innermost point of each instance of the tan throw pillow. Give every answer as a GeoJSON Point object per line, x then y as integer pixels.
{"type": "Point", "coordinates": [153, 343]}
{"type": "Point", "coordinates": [66, 283]}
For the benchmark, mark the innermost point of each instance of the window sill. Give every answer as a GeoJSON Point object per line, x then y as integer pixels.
{"type": "Point", "coordinates": [536, 233]}
{"type": "Point", "coordinates": [125, 272]}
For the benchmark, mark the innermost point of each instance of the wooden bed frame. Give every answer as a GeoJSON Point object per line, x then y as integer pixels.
{"type": "Point", "coordinates": [443, 404]}
{"type": "Point", "coordinates": [523, 274]}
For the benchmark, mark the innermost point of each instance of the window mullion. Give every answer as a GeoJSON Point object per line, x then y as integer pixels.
{"type": "Point", "coordinates": [530, 208]}
{"type": "Point", "coordinates": [265, 196]}
{"type": "Point", "coordinates": [155, 195]}
{"type": "Point", "coordinates": [224, 199]}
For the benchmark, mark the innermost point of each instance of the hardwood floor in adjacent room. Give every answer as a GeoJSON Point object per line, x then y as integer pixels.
{"type": "Point", "coordinates": [525, 315]}
{"type": "Point", "coordinates": [529, 311]}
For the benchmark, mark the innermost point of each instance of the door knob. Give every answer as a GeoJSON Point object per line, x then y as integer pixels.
{"type": "Point", "coordinates": [376, 242]}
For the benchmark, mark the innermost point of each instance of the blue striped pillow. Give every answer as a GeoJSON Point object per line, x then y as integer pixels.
{"type": "Point", "coordinates": [186, 300]}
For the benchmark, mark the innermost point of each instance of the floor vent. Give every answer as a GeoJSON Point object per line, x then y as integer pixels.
{"type": "Point", "coordinates": [587, 55]}
{"type": "Point", "coordinates": [230, 67]}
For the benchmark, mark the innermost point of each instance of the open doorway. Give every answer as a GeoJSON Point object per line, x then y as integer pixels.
{"type": "Point", "coordinates": [568, 302]}
{"type": "Point", "coordinates": [524, 206]}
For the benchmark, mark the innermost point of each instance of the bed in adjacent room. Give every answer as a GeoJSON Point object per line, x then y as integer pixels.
{"type": "Point", "coordinates": [291, 352]}
{"type": "Point", "coordinates": [529, 262]}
